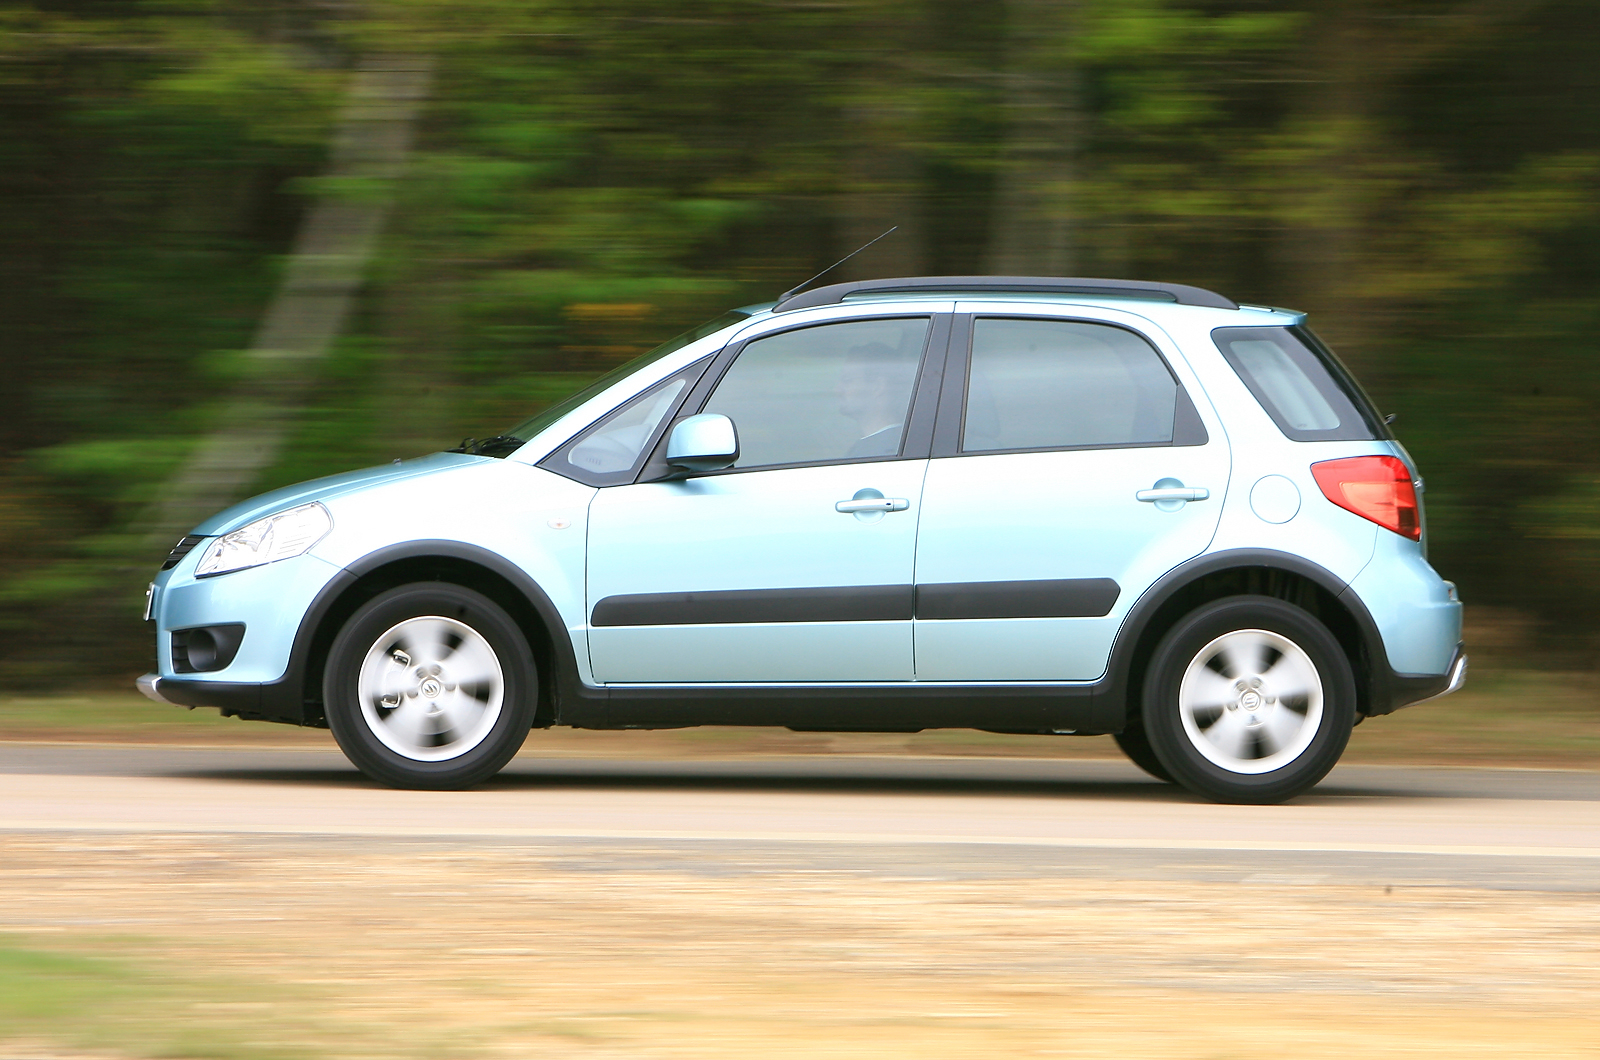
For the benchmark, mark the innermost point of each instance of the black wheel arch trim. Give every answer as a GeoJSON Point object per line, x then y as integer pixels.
{"type": "Point", "coordinates": [563, 684]}
{"type": "Point", "coordinates": [1384, 691]}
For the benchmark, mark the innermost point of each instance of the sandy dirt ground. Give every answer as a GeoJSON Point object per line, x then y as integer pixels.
{"type": "Point", "coordinates": [734, 920]}
{"type": "Point", "coordinates": [391, 947]}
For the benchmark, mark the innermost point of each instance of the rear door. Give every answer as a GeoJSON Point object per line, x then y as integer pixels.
{"type": "Point", "coordinates": [1074, 463]}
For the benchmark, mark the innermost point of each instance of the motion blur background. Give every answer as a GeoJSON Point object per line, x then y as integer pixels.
{"type": "Point", "coordinates": [557, 185]}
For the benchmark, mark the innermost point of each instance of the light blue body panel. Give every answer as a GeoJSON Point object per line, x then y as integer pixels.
{"type": "Point", "coordinates": [269, 600]}
{"type": "Point", "coordinates": [528, 516]}
{"type": "Point", "coordinates": [754, 530]}
{"type": "Point", "coordinates": [1042, 516]}
{"type": "Point", "coordinates": [1310, 526]}
{"type": "Point", "coordinates": [1413, 607]}
{"type": "Point", "coordinates": [534, 519]}
{"type": "Point", "coordinates": [755, 653]}
{"type": "Point", "coordinates": [324, 489]}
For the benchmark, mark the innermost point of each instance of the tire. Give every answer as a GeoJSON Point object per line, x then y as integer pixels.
{"type": "Point", "coordinates": [430, 685]}
{"type": "Point", "coordinates": [1136, 745]}
{"type": "Point", "coordinates": [1249, 700]}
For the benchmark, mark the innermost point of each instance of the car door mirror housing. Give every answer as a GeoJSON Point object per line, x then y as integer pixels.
{"type": "Point", "coordinates": [707, 442]}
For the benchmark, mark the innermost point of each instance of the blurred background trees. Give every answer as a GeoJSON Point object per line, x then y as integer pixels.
{"type": "Point", "coordinates": [588, 178]}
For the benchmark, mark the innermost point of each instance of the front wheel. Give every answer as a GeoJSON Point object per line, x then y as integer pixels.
{"type": "Point", "coordinates": [430, 685]}
{"type": "Point", "coordinates": [1136, 745]}
{"type": "Point", "coordinates": [1249, 700]}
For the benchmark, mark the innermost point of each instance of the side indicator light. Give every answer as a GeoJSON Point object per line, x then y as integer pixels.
{"type": "Point", "coordinates": [1374, 487]}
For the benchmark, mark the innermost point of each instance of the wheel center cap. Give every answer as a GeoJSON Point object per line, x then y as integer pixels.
{"type": "Point", "coordinates": [1250, 700]}
{"type": "Point", "coordinates": [431, 688]}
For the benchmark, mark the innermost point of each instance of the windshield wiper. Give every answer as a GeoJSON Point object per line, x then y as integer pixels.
{"type": "Point", "coordinates": [500, 446]}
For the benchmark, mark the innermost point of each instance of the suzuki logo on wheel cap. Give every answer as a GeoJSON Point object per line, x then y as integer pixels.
{"type": "Point", "coordinates": [431, 688]}
{"type": "Point", "coordinates": [1250, 700]}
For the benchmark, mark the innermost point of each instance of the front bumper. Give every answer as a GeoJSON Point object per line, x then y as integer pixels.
{"type": "Point", "coordinates": [279, 604]}
{"type": "Point", "coordinates": [265, 701]}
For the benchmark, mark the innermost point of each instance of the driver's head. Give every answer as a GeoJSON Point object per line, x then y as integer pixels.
{"type": "Point", "coordinates": [875, 383]}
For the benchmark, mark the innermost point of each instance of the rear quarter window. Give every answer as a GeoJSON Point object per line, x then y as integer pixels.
{"type": "Point", "coordinates": [1300, 383]}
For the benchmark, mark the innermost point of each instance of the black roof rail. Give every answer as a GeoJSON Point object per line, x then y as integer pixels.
{"type": "Point", "coordinates": [1167, 292]}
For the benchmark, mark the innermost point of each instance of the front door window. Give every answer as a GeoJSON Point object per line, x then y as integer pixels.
{"type": "Point", "coordinates": [823, 394]}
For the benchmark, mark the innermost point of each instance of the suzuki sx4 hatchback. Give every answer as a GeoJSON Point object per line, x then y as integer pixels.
{"type": "Point", "coordinates": [1048, 506]}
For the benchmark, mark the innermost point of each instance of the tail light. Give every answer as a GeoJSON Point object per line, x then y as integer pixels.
{"type": "Point", "coordinates": [1374, 487]}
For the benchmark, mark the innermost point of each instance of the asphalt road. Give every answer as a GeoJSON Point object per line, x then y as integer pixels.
{"type": "Point", "coordinates": [925, 818]}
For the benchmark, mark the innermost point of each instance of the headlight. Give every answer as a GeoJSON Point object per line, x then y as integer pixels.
{"type": "Point", "coordinates": [280, 536]}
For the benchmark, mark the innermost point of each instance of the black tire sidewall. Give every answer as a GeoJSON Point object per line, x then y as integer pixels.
{"type": "Point", "coordinates": [1163, 724]}
{"type": "Point", "coordinates": [377, 616]}
{"type": "Point", "coordinates": [1136, 745]}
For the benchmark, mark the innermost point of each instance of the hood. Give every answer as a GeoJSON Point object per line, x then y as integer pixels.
{"type": "Point", "coordinates": [321, 489]}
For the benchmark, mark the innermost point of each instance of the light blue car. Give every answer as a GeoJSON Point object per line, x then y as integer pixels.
{"type": "Point", "coordinates": [1024, 505]}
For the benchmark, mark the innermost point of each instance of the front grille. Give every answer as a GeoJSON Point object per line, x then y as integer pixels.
{"type": "Point", "coordinates": [181, 549]}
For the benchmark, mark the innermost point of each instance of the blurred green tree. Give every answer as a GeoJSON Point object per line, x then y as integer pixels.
{"type": "Point", "coordinates": [589, 178]}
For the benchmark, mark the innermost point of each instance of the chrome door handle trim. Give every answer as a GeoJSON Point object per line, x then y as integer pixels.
{"type": "Point", "coordinates": [1174, 493]}
{"type": "Point", "coordinates": [873, 504]}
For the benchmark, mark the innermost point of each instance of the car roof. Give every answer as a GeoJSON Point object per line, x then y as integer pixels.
{"type": "Point", "coordinates": [1093, 287]}
{"type": "Point", "coordinates": [1139, 296]}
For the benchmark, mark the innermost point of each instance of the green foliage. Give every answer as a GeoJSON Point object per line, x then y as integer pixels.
{"type": "Point", "coordinates": [591, 178]}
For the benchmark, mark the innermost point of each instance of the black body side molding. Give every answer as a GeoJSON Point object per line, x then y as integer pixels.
{"type": "Point", "coordinates": [1063, 598]}
{"type": "Point", "coordinates": [844, 603]}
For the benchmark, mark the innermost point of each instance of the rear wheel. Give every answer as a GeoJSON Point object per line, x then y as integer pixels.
{"type": "Point", "coordinates": [1249, 699]}
{"type": "Point", "coordinates": [430, 686]}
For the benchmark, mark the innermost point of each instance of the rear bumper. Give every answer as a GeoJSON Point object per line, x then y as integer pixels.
{"type": "Point", "coordinates": [1410, 689]}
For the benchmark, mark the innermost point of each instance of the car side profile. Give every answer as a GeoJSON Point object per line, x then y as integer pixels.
{"type": "Point", "coordinates": [1026, 505]}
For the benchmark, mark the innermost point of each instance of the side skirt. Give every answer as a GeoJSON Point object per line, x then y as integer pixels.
{"type": "Point", "coordinates": [845, 708]}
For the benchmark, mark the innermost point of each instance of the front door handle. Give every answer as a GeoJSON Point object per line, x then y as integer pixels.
{"type": "Point", "coordinates": [872, 504]}
{"type": "Point", "coordinates": [1174, 493]}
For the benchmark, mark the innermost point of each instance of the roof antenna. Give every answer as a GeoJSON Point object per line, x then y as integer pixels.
{"type": "Point", "coordinates": [795, 290]}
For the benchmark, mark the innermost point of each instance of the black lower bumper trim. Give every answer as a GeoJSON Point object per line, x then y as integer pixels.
{"type": "Point", "coordinates": [1407, 689]}
{"type": "Point", "coordinates": [268, 701]}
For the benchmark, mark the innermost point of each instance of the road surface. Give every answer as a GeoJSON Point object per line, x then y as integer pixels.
{"type": "Point", "coordinates": [947, 817]}
{"type": "Point", "coordinates": [803, 907]}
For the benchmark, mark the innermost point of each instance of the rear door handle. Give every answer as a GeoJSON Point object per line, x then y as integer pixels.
{"type": "Point", "coordinates": [872, 504]}
{"type": "Point", "coordinates": [1174, 493]}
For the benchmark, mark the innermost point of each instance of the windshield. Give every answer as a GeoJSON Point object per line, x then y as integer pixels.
{"type": "Point", "coordinates": [504, 444]}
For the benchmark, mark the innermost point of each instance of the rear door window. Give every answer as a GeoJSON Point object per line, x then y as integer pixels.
{"type": "Point", "coordinates": [1301, 384]}
{"type": "Point", "coordinates": [1061, 384]}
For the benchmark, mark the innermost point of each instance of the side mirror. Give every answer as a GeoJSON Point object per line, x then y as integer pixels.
{"type": "Point", "coordinates": [707, 442]}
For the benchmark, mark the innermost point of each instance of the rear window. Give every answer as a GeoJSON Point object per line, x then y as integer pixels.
{"type": "Point", "coordinates": [1301, 384]}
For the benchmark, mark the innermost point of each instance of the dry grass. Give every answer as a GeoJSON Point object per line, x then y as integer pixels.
{"type": "Point", "coordinates": [375, 949]}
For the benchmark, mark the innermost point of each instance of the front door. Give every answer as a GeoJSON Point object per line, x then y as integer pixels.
{"type": "Point", "coordinates": [1071, 470]}
{"type": "Point", "coordinates": [767, 572]}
